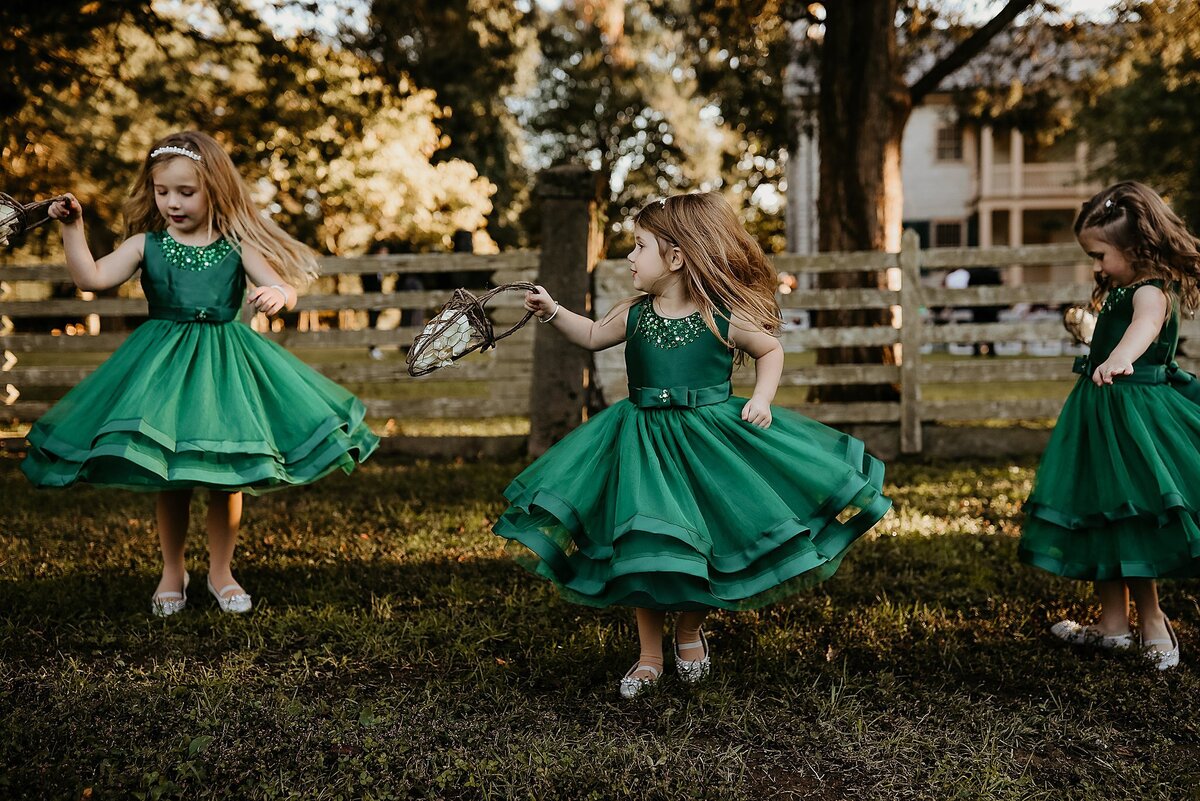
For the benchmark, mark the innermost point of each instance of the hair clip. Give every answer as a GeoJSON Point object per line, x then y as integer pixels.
{"type": "Point", "coordinates": [1108, 204]}
{"type": "Point", "coordinates": [178, 151]}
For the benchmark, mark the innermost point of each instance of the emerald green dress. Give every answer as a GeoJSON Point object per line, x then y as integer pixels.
{"type": "Point", "coordinates": [195, 398]}
{"type": "Point", "coordinates": [1118, 489]}
{"type": "Point", "coordinates": [669, 500]}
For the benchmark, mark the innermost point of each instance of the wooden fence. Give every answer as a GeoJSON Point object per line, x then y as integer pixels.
{"type": "Point", "coordinates": [488, 385]}
{"type": "Point", "coordinates": [905, 420]}
{"type": "Point", "coordinates": [36, 368]}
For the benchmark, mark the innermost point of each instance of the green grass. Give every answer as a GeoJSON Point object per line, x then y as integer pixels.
{"type": "Point", "coordinates": [396, 652]}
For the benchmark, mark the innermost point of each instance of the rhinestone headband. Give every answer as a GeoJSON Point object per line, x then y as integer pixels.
{"type": "Point", "coordinates": [178, 151]}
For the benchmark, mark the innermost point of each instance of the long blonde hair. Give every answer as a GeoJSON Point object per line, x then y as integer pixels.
{"type": "Point", "coordinates": [231, 211]}
{"type": "Point", "coordinates": [1132, 218]}
{"type": "Point", "coordinates": [724, 269]}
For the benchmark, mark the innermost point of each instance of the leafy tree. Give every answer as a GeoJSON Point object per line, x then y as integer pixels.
{"type": "Point", "coordinates": [1141, 108]}
{"type": "Point", "coordinates": [854, 57]}
{"type": "Point", "coordinates": [615, 90]}
{"type": "Point", "coordinates": [478, 57]}
{"type": "Point", "coordinates": [338, 154]}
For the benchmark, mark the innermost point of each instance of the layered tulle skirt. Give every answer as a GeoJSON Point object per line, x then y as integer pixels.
{"type": "Point", "coordinates": [211, 405]}
{"type": "Point", "coordinates": [692, 508]}
{"type": "Point", "coordinates": [1118, 491]}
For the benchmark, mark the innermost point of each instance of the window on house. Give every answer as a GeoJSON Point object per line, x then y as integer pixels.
{"type": "Point", "coordinates": [948, 234]}
{"type": "Point", "coordinates": [949, 142]}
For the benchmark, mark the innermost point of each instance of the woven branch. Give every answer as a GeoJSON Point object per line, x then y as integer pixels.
{"type": "Point", "coordinates": [17, 218]}
{"type": "Point", "coordinates": [460, 327]}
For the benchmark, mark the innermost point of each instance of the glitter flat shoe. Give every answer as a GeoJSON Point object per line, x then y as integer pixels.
{"type": "Point", "coordinates": [1077, 634]}
{"type": "Point", "coordinates": [165, 604]}
{"type": "Point", "coordinates": [693, 670]}
{"type": "Point", "coordinates": [631, 687]}
{"type": "Point", "coordinates": [1163, 660]}
{"type": "Point", "coordinates": [236, 604]}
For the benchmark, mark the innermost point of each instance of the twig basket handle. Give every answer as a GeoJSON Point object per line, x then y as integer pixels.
{"type": "Point", "coordinates": [462, 304]}
{"type": "Point", "coordinates": [20, 217]}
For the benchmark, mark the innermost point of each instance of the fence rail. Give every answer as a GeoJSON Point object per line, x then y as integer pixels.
{"type": "Point", "coordinates": [915, 334]}
{"type": "Point", "coordinates": [38, 366]}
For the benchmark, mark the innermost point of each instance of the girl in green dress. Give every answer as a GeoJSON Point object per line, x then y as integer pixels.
{"type": "Point", "coordinates": [194, 398]}
{"type": "Point", "coordinates": [682, 497]}
{"type": "Point", "coordinates": [1117, 493]}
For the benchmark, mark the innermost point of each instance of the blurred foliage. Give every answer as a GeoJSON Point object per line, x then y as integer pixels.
{"type": "Point", "coordinates": [41, 55]}
{"type": "Point", "coordinates": [478, 56]}
{"type": "Point", "coordinates": [602, 82]}
{"type": "Point", "coordinates": [615, 93]}
{"type": "Point", "coordinates": [417, 118]}
{"type": "Point", "coordinates": [340, 156]}
{"type": "Point", "coordinates": [1143, 103]}
{"type": "Point", "coordinates": [743, 57]}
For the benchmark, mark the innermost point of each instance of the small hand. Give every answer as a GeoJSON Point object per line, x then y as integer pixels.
{"type": "Point", "coordinates": [757, 413]}
{"type": "Point", "coordinates": [1105, 372]}
{"type": "Point", "coordinates": [540, 303]}
{"type": "Point", "coordinates": [268, 299]}
{"type": "Point", "coordinates": [66, 209]}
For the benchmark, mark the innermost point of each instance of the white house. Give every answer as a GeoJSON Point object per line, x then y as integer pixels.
{"type": "Point", "coordinates": [967, 183]}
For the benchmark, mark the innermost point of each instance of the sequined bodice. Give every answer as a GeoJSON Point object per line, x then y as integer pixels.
{"type": "Point", "coordinates": [666, 352]}
{"type": "Point", "coordinates": [1115, 316]}
{"type": "Point", "coordinates": [184, 282]}
{"type": "Point", "coordinates": [192, 257]}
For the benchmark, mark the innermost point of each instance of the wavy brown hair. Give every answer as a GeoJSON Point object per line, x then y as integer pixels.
{"type": "Point", "coordinates": [1132, 217]}
{"type": "Point", "coordinates": [724, 269]}
{"type": "Point", "coordinates": [231, 211]}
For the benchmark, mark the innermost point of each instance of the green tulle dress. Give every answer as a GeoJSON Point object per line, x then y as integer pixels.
{"type": "Point", "coordinates": [1118, 489]}
{"type": "Point", "coordinates": [669, 500]}
{"type": "Point", "coordinates": [194, 398]}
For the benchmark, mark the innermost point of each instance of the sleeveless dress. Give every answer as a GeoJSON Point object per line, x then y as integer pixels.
{"type": "Point", "coordinates": [1118, 489]}
{"type": "Point", "coordinates": [669, 500]}
{"type": "Point", "coordinates": [195, 398]}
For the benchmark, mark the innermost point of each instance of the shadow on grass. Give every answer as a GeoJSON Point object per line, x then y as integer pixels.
{"type": "Point", "coordinates": [394, 652]}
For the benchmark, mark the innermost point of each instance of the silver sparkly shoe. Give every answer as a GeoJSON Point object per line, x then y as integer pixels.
{"type": "Point", "coordinates": [236, 604]}
{"type": "Point", "coordinates": [693, 670]}
{"type": "Point", "coordinates": [631, 687]}
{"type": "Point", "coordinates": [1163, 660]}
{"type": "Point", "coordinates": [1077, 634]}
{"type": "Point", "coordinates": [165, 604]}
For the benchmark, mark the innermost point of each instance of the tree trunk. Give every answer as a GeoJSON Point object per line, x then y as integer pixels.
{"type": "Point", "coordinates": [864, 105]}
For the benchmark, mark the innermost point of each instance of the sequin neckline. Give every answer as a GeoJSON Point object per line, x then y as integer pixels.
{"type": "Point", "coordinates": [193, 257]}
{"type": "Point", "coordinates": [1114, 295]}
{"type": "Point", "coordinates": [667, 333]}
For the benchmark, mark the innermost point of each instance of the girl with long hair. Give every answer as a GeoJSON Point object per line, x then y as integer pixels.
{"type": "Point", "coordinates": [1116, 500]}
{"type": "Point", "coordinates": [685, 498]}
{"type": "Point", "coordinates": [194, 398]}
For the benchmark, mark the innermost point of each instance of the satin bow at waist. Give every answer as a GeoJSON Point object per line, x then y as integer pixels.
{"type": "Point", "coordinates": [686, 397]}
{"type": "Point", "coordinates": [194, 314]}
{"type": "Point", "coordinates": [1157, 374]}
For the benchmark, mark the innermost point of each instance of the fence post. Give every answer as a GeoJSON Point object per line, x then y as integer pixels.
{"type": "Point", "coordinates": [911, 340]}
{"type": "Point", "coordinates": [561, 371]}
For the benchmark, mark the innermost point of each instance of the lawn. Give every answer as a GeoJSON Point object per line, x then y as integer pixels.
{"type": "Point", "coordinates": [396, 652]}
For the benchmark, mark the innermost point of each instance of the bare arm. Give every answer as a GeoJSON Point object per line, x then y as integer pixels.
{"type": "Point", "coordinates": [768, 367]}
{"type": "Point", "coordinates": [579, 330]}
{"type": "Point", "coordinates": [87, 272]}
{"type": "Point", "coordinates": [1149, 312]}
{"type": "Point", "coordinates": [271, 295]}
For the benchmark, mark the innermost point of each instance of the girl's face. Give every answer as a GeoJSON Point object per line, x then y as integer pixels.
{"type": "Point", "coordinates": [652, 272]}
{"type": "Point", "coordinates": [179, 196]}
{"type": "Point", "coordinates": [1106, 258]}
